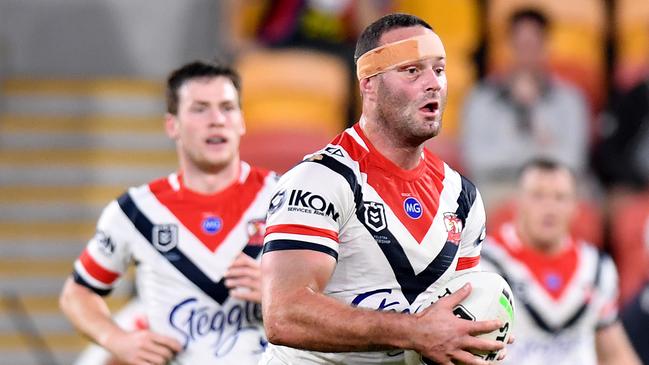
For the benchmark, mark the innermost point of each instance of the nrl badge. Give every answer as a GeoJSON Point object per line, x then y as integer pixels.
{"type": "Point", "coordinates": [165, 237]}
{"type": "Point", "coordinates": [375, 216]}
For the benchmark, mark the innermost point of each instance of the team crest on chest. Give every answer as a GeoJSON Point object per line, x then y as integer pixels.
{"type": "Point", "coordinates": [256, 231]}
{"type": "Point", "coordinates": [453, 225]}
{"type": "Point", "coordinates": [165, 236]}
{"type": "Point", "coordinates": [375, 216]}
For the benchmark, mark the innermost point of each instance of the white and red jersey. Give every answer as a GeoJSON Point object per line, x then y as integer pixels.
{"type": "Point", "coordinates": [183, 242]}
{"type": "Point", "coordinates": [397, 235]}
{"type": "Point", "coordinates": [562, 300]}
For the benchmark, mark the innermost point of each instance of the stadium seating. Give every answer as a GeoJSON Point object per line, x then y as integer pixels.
{"type": "Point", "coordinates": [67, 147]}
{"type": "Point", "coordinates": [293, 89]}
{"type": "Point", "coordinates": [294, 103]}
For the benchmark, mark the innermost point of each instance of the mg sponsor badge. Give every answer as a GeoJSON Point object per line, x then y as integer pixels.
{"type": "Point", "coordinates": [212, 224]}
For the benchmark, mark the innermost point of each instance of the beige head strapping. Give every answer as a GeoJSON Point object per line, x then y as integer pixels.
{"type": "Point", "coordinates": [387, 56]}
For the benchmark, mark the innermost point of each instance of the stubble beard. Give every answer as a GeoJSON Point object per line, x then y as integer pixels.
{"type": "Point", "coordinates": [398, 116]}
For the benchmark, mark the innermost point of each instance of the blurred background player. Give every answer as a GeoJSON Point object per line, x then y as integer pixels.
{"type": "Point", "coordinates": [368, 227]}
{"type": "Point", "coordinates": [522, 113]}
{"type": "Point", "coordinates": [194, 234]}
{"type": "Point", "coordinates": [566, 290]}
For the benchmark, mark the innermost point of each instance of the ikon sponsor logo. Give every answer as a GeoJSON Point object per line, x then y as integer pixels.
{"type": "Point", "coordinates": [105, 243]}
{"type": "Point", "coordinates": [310, 203]}
{"type": "Point", "coordinates": [277, 201]}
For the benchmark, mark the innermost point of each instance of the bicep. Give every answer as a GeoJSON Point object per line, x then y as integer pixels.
{"type": "Point", "coordinates": [76, 297]}
{"type": "Point", "coordinates": [288, 271]}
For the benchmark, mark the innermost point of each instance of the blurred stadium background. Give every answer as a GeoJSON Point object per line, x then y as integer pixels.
{"type": "Point", "coordinates": [81, 105]}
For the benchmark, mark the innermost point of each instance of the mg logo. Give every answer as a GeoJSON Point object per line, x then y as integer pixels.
{"type": "Point", "coordinates": [413, 208]}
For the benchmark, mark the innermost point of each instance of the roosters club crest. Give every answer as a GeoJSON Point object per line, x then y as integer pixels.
{"type": "Point", "coordinates": [453, 225]}
{"type": "Point", "coordinates": [256, 231]}
{"type": "Point", "coordinates": [165, 237]}
{"type": "Point", "coordinates": [375, 216]}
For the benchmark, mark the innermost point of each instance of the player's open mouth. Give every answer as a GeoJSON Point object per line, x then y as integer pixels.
{"type": "Point", "coordinates": [431, 107]}
{"type": "Point", "coordinates": [215, 140]}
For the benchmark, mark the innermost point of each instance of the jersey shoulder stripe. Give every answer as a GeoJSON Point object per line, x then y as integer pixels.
{"type": "Point", "coordinates": [282, 244]}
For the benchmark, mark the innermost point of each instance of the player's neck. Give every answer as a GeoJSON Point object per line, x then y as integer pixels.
{"type": "Point", "coordinates": [203, 182]}
{"type": "Point", "coordinates": [406, 157]}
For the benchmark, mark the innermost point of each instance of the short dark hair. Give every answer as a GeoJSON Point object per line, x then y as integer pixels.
{"type": "Point", "coordinates": [370, 37]}
{"type": "Point", "coordinates": [529, 14]}
{"type": "Point", "coordinates": [546, 164]}
{"type": "Point", "coordinates": [196, 70]}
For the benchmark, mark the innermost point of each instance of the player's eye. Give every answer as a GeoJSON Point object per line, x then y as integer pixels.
{"type": "Point", "coordinates": [440, 70]}
{"type": "Point", "coordinates": [228, 107]}
{"type": "Point", "coordinates": [198, 108]}
{"type": "Point", "coordinates": [412, 70]}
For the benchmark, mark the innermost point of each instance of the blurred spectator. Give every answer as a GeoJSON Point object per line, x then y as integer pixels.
{"type": "Point", "coordinates": [565, 289]}
{"type": "Point", "coordinates": [575, 42]}
{"type": "Point", "coordinates": [526, 113]}
{"type": "Point", "coordinates": [621, 159]}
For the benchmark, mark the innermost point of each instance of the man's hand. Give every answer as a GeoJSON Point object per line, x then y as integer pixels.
{"type": "Point", "coordinates": [141, 347]}
{"type": "Point", "coordinates": [244, 279]}
{"type": "Point", "coordinates": [446, 337]}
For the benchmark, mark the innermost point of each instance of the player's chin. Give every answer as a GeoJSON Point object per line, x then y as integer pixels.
{"type": "Point", "coordinates": [432, 128]}
{"type": "Point", "coordinates": [214, 163]}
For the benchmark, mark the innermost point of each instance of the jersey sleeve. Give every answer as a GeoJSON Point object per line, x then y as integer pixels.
{"type": "Point", "coordinates": [608, 289]}
{"type": "Point", "coordinates": [472, 236]}
{"type": "Point", "coordinates": [310, 205]}
{"type": "Point", "coordinates": [107, 254]}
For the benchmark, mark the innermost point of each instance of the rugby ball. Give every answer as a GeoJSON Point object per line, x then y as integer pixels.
{"type": "Point", "coordinates": [490, 298]}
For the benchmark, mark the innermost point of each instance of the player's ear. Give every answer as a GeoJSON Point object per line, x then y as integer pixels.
{"type": "Point", "coordinates": [172, 126]}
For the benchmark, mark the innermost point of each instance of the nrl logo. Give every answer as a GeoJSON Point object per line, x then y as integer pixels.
{"type": "Point", "coordinates": [375, 216]}
{"type": "Point", "coordinates": [165, 237]}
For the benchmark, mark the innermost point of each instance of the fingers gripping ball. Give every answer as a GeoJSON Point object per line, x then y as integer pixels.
{"type": "Point", "coordinates": [491, 298]}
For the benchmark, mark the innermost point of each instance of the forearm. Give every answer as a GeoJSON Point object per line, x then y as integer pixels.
{"type": "Point", "coordinates": [614, 348]}
{"type": "Point", "coordinates": [314, 321]}
{"type": "Point", "coordinates": [88, 312]}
